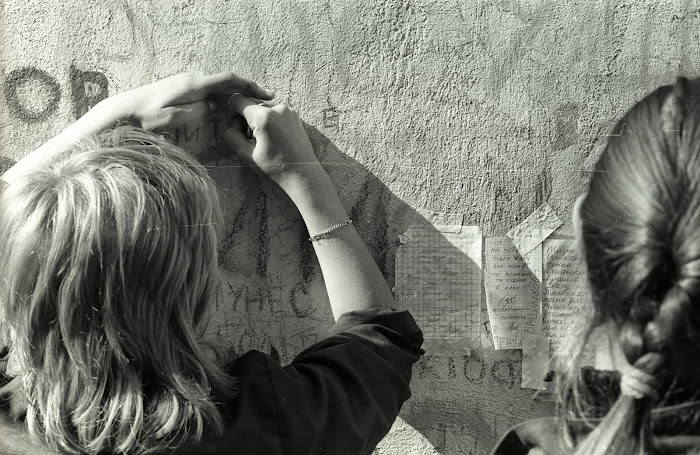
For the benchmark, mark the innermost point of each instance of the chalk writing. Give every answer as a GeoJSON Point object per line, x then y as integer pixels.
{"type": "Point", "coordinates": [474, 369]}
{"type": "Point", "coordinates": [331, 117]}
{"type": "Point", "coordinates": [512, 294]}
{"type": "Point", "coordinates": [369, 213]}
{"type": "Point", "coordinates": [451, 368]}
{"type": "Point", "coordinates": [565, 290]}
{"type": "Point", "coordinates": [503, 371]}
{"type": "Point", "coordinates": [438, 278]}
{"type": "Point", "coordinates": [301, 307]}
{"type": "Point", "coordinates": [262, 240]}
{"type": "Point", "coordinates": [428, 368]}
{"type": "Point", "coordinates": [187, 133]}
{"type": "Point", "coordinates": [20, 88]}
{"type": "Point", "coordinates": [87, 89]}
{"type": "Point", "coordinates": [32, 95]}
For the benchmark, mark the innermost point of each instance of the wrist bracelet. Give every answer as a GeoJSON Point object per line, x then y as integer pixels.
{"type": "Point", "coordinates": [325, 234]}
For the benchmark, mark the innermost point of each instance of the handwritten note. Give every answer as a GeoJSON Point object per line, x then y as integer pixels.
{"type": "Point", "coordinates": [438, 278]}
{"type": "Point", "coordinates": [565, 291]}
{"type": "Point", "coordinates": [513, 293]}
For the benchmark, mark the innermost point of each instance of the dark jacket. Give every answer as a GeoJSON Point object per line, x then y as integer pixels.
{"type": "Point", "coordinates": [339, 396]}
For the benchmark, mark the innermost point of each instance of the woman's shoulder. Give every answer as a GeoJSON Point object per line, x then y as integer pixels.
{"type": "Point", "coordinates": [548, 434]}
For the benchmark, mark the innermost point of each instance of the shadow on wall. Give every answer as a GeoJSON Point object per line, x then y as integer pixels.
{"type": "Point", "coordinates": [272, 295]}
{"type": "Point", "coordinates": [449, 408]}
{"type": "Point", "coordinates": [273, 298]}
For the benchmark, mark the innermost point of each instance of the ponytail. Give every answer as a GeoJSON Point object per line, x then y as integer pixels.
{"type": "Point", "coordinates": [623, 430]}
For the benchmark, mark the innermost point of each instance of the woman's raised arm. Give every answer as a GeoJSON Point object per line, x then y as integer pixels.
{"type": "Point", "coordinates": [167, 103]}
{"type": "Point", "coordinates": [280, 149]}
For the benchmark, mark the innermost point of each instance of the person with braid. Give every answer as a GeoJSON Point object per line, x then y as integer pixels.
{"type": "Point", "coordinates": [639, 231]}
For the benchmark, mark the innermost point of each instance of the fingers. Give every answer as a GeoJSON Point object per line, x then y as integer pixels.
{"type": "Point", "coordinates": [226, 83]}
{"type": "Point", "coordinates": [235, 137]}
{"type": "Point", "coordinates": [249, 109]}
{"type": "Point", "coordinates": [247, 87]}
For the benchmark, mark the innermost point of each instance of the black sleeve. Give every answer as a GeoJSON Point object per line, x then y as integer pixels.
{"type": "Point", "coordinates": [510, 444]}
{"type": "Point", "coordinates": [343, 394]}
{"type": "Point", "coordinates": [544, 433]}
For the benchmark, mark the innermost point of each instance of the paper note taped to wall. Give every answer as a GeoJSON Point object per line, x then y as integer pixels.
{"type": "Point", "coordinates": [438, 278]}
{"type": "Point", "coordinates": [535, 229]}
{"type": "Point", "coordinates": [566, 301]}
{"type": "Point", "coordinates": [513, 293]}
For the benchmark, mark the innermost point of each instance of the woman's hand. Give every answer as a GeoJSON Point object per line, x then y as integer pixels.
{"type": "Point", "coordinates": [279, 146]}
{"type": "Point", "coordinates": [166, 103]}
{"type": "Point", "coordinates": [179, 99]}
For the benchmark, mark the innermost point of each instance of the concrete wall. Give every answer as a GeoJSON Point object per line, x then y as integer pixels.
{"type": "Point", "coordinates": [488, 108]}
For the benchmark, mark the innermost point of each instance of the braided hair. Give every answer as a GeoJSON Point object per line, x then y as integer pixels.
{"type": "Point", "coordinates": [640, 232]}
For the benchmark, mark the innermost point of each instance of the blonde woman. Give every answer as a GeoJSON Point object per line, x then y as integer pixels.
{"type": "Point", "coordinates": [108, 239]}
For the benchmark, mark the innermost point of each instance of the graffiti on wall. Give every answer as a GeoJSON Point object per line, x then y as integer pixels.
{"type": "Point", "coordinates": [33, 95]}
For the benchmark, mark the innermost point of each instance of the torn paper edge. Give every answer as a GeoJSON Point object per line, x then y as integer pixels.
{"type": "Point", "coordinates": [486, 335]}
{"type": "Point", "coordinates": [533, 260]}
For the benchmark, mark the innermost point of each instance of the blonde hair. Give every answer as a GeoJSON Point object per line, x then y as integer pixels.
{"type": "Point", "coordinates": [109, 264]}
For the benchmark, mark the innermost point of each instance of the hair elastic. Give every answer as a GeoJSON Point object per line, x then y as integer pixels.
{"type": "Point", "coordinates": [325, 234]}
{"type": "Point", "coordinates": [639, 384]}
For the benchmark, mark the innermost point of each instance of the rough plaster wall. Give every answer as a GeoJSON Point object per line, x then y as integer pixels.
{"type": "Point", "coordinates": [487, 108]}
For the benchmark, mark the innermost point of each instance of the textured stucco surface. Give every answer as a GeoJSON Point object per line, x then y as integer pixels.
{"type": "Point", "coordinates": [488, 108]}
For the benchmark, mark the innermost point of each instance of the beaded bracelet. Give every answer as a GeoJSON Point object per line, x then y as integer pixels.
{"type": "Point", "coordinates": [325, 234]}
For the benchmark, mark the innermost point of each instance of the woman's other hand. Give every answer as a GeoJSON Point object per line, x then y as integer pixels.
{"type": "Point", "coordinates": [179, 99]}
{"type": "Point", "coordinates": [167, 103]}
{"type": "Point", "coordinates": [273, 139]}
